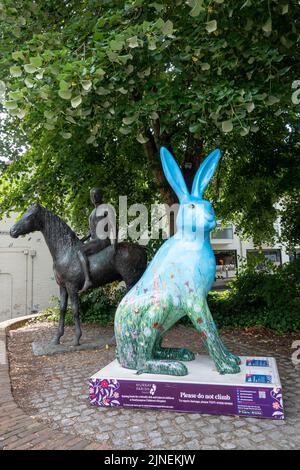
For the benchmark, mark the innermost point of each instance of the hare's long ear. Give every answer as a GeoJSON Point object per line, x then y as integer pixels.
{"type": "Point", "coordinates": [173, 174]}
{"type": "Point", "coordinates": [205, 173]}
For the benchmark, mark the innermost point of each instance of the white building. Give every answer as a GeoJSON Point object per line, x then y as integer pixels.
{"type": "Point", "coordinates": [230, 250]}
{"type": "Point", "coordinates": [26, 278]}
{"type": "Point", "coordinates": [27, 282]}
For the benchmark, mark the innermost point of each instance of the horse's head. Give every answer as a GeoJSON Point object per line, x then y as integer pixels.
{"type": "Point", "coordinates": [30, 221]}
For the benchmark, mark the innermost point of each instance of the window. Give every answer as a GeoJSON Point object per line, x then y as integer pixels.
{"type": "Point", "coordinates": [271, 255]}
{"type": "Point", "coordinates": [226, 261]}
{"type": "Point", "coordinates": [225, 233]}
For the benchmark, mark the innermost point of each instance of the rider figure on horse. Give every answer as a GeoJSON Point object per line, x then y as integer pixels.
{"type": "Point", "coordinates": [96, 244]}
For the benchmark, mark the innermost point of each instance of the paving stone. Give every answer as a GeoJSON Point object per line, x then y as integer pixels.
{"type": "Point", "coordinates": [138, 446]}
{"type": "Point", "coordinates": [72, 422]}
{"type": "Point", "coordinates": [228, 445]}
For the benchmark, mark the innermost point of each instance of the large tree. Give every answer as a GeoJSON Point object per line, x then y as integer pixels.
{"type": "Point", "coordinates": [93, 87]}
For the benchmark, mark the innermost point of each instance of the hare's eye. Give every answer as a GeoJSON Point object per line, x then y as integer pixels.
{"type": "Point", "coordinates": [191, 206]}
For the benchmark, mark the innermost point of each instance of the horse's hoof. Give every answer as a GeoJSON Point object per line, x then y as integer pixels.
{"type": "Point", "coordinates": [55, 341]}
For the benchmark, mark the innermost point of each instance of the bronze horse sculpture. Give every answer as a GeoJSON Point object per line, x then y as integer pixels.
{"type": "Point", "coordinates": [125, 263]}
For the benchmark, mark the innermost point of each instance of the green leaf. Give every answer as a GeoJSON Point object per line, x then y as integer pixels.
{"type": "Point", "coordinates": [142, 139]}
{"type": "Point", "coordinates": [63, 85]}
{"type": "Point", "coordinates": [10, 105]}
{"type": "Point", "coordinates": [21, 113]}
{"type": "Point", "coordinates": [36, 61]}
{"type": "Point", "coordinates": [16, 95]}
{"type": "Point", "coordinates": [65, 94]}
{"type": "Point", "coordinates": [244, 131]}
{"type": "Point", "coordinates": [66, 135]}
{"type": "Point", "coordinates": [250, 107]}
{"type": "Point", "coordinates": [91, 139]}
{"type": "Point", "coordinates": [211, 26]}
{"type": "Point", "coordinates": [267, 27]}
{"type": "Point", "coordinates": [124, 130]}
{"type": "Point", "coordinates": [272, 100]}
{"type": "Point", "coordinates": [205, 66]}
{"type": "Point", "coordinates": [195, 127]}
{"type": "Point", "coordinates": [100, 72]}
{"type": "Point", "coordinates": [44, 92]}
{"type": "Point", "coordinates": [29, 68]}
{"type": "Point", "coordinates": [70, 119]}
{"type": "Point", "coordinates": [167, 28]}
{"type": "Point", "coordinates": [154, 116]}
{"type": "Point", "coordinates": [102, 91]}
{"type": "Point", "coordinates": [197, 7]}
{"type": "Point", "coordinates": [2, 89]}
{"type": "Point", "coordinates": [285, 9]}
{"type": "Point", "coordinates": [40, 75]}
{"type": "Point", "coordinates": [151, 44]}
{"type": "Point", "coordinates": [49, 126]}
{"type": "Point", "coordinates": [86, 85]}
{"type": "Point", "coordinates": [49, 114]}
{"type": "Point", "coordinates": [15, 71]}
{"type": "Point", "coordinates": [123, 90]}
{"type": "Point", "coordinates": [227, 126]}
{"type": "Point", "coordinates": [116, 45]}
{"type": "Point", "coordinates": [158, 6]}
{"type": "Point", "coordinates": [17, 55]}
{"type": "Point", "coordinates": [129, 119]}
{"type": "Point", "coordinates": [133, 42]}
{"type": "Point", "coordinates": [75, 102]}
{"type": "Point", "coordinates": [29, 82]}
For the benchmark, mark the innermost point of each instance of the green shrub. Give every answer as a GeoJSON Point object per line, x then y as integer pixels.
{"type": "Point", "coordinates": [99, 305]}
{"type": "Point", "coordinates": [270, 297]}
{"type": "Point", "coordinates": [96, 306]}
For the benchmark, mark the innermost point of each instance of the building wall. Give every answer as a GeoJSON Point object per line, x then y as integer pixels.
{"type": "Point", "coordinates": [26, 278]}
{"type": "Point", "coordinates": [242, 247]}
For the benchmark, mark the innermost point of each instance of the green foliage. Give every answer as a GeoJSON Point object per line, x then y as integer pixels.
{"type": "Point", "coordinates": [92, 89]}
{"type": "Point", "coordinates": [96, 306]}
{"type": "Point", "coordinates": [51, 314]}
{"type": "Point", "coordinates": [263, 169]}
{"type": "Point", "coordinates": [99, 305]}
{"type": "Point", "coordinates": [265, 298]}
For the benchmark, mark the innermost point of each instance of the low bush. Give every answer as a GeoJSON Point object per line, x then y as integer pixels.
{"type": "Point", "coordinates": [269, 297]}
{"type": "Point", "coordinates": [96, 306]}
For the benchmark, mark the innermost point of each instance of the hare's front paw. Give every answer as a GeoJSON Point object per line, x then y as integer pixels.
{"type": "Point", "coordinates": [236, 359]}
{"type": "Point", "coordinates": [176, 354]}
{"type": "Point", "coordinates": [162, 367]}
{"type": "Point", "coordinates": [229, 366]}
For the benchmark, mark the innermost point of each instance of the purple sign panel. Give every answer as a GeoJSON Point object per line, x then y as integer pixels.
{"type": "Point", "coordinates": [260, 401]}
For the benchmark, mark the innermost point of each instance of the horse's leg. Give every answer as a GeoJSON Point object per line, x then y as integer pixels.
{"type": "Point", "coordinates": [62, 311]}
{"type": "Point", "coordinates": [75, 310]}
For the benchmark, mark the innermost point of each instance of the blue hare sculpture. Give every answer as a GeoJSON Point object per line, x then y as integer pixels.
{"type": "Point", "coordinates": [175, 284]}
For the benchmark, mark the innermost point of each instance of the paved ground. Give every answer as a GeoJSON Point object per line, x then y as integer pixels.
{"type": "Point", "coordinates": [54, 391]}
{"type": "Point", "coordinates": [19, 430]}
